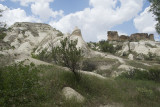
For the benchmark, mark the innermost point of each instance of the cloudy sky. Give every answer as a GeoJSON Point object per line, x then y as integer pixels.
{"type": "Point", "coordinates": [93, 17]}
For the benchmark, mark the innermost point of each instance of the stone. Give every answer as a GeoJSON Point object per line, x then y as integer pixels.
{"type": "Point", "coordinates": [151, 37]}
{"type": "Point", "coordinates": [140, 56]}
{"type": "Point", "coordinates": [113, 36]}
{"type": "Point", "coordinates": [125, 67]}
{"type": "Point", "coordinates": [130, 56]}
{"type": "Point", "coordinates": [138, 36]}
{"type": "Point", "coordinates": [70, 94]}
{"type": "Point", "coordinates": [124, 38]}
{"type": "Point", "coordinates": [76, 32]}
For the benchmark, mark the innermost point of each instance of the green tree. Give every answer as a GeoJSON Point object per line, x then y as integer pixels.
{"type": "Point", "coordinates": [155, 8]}
{"type": "Point", "coordinates": [68, 55]}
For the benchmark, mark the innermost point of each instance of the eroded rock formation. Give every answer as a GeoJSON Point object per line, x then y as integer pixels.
{"type": "Point", "coordinates": [113, 36]}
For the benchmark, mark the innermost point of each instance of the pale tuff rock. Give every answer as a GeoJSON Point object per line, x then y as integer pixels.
{"type": "Point", "coordinates": [71, 94]}
{"type": "Point", "coordinates": [26, 36]}
{"type": "Point", "coordinates": [125, 67]}
{"type": "Point", "coordinates": [130, 56]}
{"type": "Point", "coordinates": [142, 47]}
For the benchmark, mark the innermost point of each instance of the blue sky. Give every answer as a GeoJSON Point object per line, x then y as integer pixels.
{"type": "Point", "coordinates": [93, 17]}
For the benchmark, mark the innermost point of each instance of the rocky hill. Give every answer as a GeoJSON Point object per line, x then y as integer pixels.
{"type": "Point", "coordinates": [25, 39]}
{"type": "Point", "coordinates": [123, 78]}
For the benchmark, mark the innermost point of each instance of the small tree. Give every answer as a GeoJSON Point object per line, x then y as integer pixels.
{"type": "Point", "coordinates": [68, 55]}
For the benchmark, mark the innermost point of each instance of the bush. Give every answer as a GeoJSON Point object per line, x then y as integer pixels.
{"type": "Point", "coordinates": [152, 74]}
{"type": "Point", "coordinates": [89, 65]}
{"type": "Point", "coordinates": [135, 74]}
{"type": "Point", "coordinates": [150, 56]}
{"type": "Point", "coordinates": [18, 84]}
{"type": "Point", "coordinates": [43, 55]}
{"type": "Point", "coordinates": [2, 35]}
{"type": "Point", "coordinates": [144, 92]}
{"type": "Point", "coordinates": [106, 47]}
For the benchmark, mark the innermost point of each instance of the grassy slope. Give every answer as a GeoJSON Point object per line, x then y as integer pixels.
{"type": "Point", "coordinates": [129, 93]}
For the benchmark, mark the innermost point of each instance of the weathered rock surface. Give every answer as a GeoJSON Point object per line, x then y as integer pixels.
{"type": "Point", "coordinates": [123, 38]}
{"type": "Point", "coordinates": [130, 56]}
{"type": "Point", "coordinates": [25, 37]}
{"type": "Point", "coordinates": [113, 36]}
{"type": "Point", "coordinates": [71, 94]}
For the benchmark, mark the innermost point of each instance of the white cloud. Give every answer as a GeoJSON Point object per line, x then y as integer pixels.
{"type": "Point", "coordinates": [10, 16]}
{"type": "Point", "coordinates": [145, 22]}
{"type": "Point", "coordinates": [2, 0]}
{"type": "Point", "coordinates": [27, 2]}
{"type": "Point", "coordinates": [102, 16]}
{"type": "Point", "coordinates": [41, 8]}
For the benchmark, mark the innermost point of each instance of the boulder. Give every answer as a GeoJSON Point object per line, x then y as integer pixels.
{"type": "Point", "coordinates": [113, 36]}
{"type": "Point", "coordinates": [130, 56]}
{"type": "Point", "coordinates": [70, 94]}
{"type": "Point", "coordinates": [140, 56]}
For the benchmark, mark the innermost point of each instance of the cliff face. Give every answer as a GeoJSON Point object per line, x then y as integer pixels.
{"type": "Point", "coordinates": [26, 37]}
{"type": "Point", "coordinates": [113, 36]}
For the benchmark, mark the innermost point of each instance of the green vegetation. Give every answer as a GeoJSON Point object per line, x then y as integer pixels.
{"type": "Point", "coordinates": [106, 47]}
{"type": "Point", "coordinates": [155, 7]}
{"type": "Point", "coordinates": [91, 64]}
{"type": "Point", "coordinates": [68, 55]}
{"type": "Point", "coordinates": [19, 85]}
{"type": "Point", "coordinates": [28, 86]}
{"type": "Point", "coordinates": [136, 74]}
{"type": "Point", "coordinates": [2, 35]}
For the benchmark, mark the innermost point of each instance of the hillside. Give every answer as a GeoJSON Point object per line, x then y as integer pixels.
{"type": "Point", "coordinates": [115, 73]}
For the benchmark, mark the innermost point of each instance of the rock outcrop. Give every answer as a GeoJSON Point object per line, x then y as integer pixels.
{"type": "Point", "coordinates": [26, 37]}
{"type": "Point", "coordinates": [123, 38]}
{"type": "Point", "coordinates": [113, 36]}
{"type": "Point", "coordinates": [71, 94]}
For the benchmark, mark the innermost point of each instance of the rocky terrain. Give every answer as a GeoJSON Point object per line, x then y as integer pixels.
{"type": "Point", "coordinates": [24, 41]}
{"type": "Point", "coordinates": [138, 45]}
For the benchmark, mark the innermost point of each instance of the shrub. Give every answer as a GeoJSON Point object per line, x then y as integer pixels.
{"type": "Point", "coordinates": [89, 65]}
{"type": "Point", "coordinates": [43, 55]}
{"type": "Point", "coordinates": [18, 84]}
{"type": "Point", "coordinates": [150, 56]}
{"type": "Point", "coordinates": [106, 47]}
{"type": "Point", "coordinates": [152, 74]}
{"type": "Point", "coordinates": [2, 35]}
{"type": "Point", "coordinates": [135, 74]}
{"type": "Point", "coordinates": [144, 92]}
